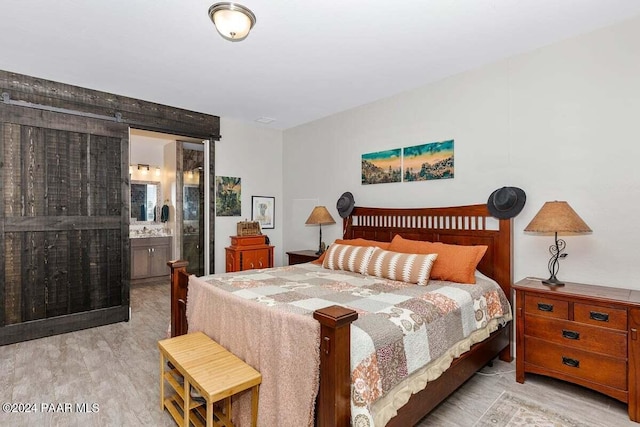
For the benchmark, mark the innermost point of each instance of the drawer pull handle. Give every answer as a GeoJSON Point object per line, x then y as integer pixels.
{"type": "Point", "coordinates": [572, 335]}
{"type": "Point", "coordinates": [600, 317]}
{"type": "Point", "coordinates": [570, 362]}
{"type": "Point", "coordinates": [545, 307]}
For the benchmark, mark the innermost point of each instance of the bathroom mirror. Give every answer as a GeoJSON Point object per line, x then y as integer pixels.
{"type": "Point", "coordinates": [145, 201]}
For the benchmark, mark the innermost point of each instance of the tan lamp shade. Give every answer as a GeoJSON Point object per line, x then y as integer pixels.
{"type": "Point", "coordinates": [320, 215]}
{"type": "Point", "coordinates": [557, 217]}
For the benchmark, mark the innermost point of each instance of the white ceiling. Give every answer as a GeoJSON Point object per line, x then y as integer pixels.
{"type": "Point", "coordinates": [305, 59]}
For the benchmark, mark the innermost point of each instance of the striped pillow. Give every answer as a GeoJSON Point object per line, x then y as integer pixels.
{"type": "Point", "coordinates": [410, 268]}
{"type": "Point", "coordinates": [348, 258]}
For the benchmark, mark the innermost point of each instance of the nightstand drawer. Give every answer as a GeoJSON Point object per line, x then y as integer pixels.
{"type": "Point", "coordinates": [577, 335]}
{"type": "Point", "coordinates": [543, 306]}
{"type": "Point", "coordinates": [592, 367]}
{"type": "Point", "coordinates": [605, 317]}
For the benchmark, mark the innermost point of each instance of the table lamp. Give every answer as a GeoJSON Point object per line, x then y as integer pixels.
{"type": "Point", "coordinates": [320, 215]}
{"type": "Point", "coordinates": [557, 217]}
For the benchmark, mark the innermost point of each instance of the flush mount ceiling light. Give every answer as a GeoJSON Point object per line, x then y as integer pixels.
{"type": "Point", "coordinates": [232, 20]}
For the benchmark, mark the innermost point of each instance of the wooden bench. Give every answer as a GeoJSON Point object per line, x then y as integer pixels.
{"type": "Point", "coordinates": [216, 374]}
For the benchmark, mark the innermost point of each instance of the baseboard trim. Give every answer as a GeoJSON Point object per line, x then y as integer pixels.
{"type": "Point", "coordinates": [10, 334]}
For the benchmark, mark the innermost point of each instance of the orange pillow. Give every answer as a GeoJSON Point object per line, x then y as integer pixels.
{"type": "Point", "coordinates": [455, 263]}
{"type": "Point", "coordinates": [355, 242]}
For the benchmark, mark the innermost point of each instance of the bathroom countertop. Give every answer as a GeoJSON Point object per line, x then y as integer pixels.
{"type": "Point", "coordinates": [147, 235]}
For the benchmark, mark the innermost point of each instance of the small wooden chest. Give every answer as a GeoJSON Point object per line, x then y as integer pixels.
{"type": "Point", "coordinates": [248, 228]}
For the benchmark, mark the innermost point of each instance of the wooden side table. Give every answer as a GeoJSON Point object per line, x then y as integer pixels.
{"type": "Point", "coordinates": [248, 253]}
{"type": "Point", "coordinates": [213, 371]}
{"type": "Point", "coordinates": [300, 257]}
{"type": "Point", "coordinates": [584, 334]}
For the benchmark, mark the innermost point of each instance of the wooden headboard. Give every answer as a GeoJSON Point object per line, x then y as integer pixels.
{"type": "Point", "coordinates": [462, 225]}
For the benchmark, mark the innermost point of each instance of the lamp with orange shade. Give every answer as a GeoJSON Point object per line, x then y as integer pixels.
{"type": "Point", "coordinates": [319, 216]}
{"type": "Point", "coordinates": [557, 217]}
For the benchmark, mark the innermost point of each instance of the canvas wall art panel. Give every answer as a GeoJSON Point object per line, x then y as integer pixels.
{"type": "Point", "coordinates": [428, 161]}
{"type": "Point", "coordinates": [228, 196]}
{"type": "Point", "coordinates": [382, 166]}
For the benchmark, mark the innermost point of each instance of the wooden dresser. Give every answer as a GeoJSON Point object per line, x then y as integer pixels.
{"type": "Point", "coordinates": [584, 334]}
{"type": "Point", "coordinates": [248, 252]}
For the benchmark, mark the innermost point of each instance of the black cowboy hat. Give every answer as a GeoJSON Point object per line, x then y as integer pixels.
{"type": "Point", "coordinates": [345, 204]}
{"type": "Point", "coordinates": [506, 202]}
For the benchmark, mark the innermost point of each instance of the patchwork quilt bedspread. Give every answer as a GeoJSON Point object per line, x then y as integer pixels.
{"type": "Point", "coordinates": [401, 327]}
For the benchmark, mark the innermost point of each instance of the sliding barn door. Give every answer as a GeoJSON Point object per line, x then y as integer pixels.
{"type": "Point", "coordinates": [64, 223]}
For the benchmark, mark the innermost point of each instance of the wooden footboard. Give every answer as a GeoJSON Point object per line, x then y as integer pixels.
{"type": "Point", "coordinates": [334, 396]}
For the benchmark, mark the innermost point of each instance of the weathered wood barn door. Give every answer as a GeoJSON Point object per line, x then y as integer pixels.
{"type": "Point", "coordinates": [64, 189]}
{"type": "Point", "coordinates": [64, 201]}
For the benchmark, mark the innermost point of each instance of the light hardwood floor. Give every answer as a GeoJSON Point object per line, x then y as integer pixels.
{"type": "Point", "coordinates": [116, 367]}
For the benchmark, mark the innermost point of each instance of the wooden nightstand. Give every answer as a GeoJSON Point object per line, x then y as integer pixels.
{"type": "Point", "coordinates": [584, 334]}
{"type": "Point", "coordinates": [299, 257]}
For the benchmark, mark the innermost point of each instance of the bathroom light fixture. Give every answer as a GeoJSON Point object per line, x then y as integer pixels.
{"type": "Point", "coordinates": [232, 20]}
{"type": "Point", "coordinates": [157, 170]}
{"type": "Point", "coordinates": [143, 168]}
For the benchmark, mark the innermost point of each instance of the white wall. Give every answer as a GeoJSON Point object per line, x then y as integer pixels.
{"type": "Point", "coordinates": [560, 122]}
{"type": "Point", "coordinates": [253, 153]}
{"type": "Point", "coordinates": [146, 149]}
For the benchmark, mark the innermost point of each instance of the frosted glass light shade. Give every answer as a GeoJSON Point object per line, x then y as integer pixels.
{"type": "Point", "coordinates": [233, 21]}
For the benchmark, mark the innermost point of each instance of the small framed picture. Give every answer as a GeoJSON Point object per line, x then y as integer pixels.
{"type": "Point", "coordinates": [263, 210]}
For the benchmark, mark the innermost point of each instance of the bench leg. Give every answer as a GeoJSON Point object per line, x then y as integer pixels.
{"type": "Point", "coordinates": [161, 381]}
{"type": "Point", "coordinates": [209, 414]}
{"type": "Point", "coordinates": [254, 405]}
{"type": "Point", "coordinates": [187, 402]}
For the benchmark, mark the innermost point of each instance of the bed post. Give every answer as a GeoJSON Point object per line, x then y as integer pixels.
{"type": "Point", "coordinates": [334, 396]}
{"type": "Point", "coordinates": [504, 274]}
{"type": "Point", "coordinates": [179, 282]}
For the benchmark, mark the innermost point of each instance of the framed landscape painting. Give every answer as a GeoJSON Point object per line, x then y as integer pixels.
{"type": "Point", "coordinates": [382, 166]}
{"type": "Point", "coordinates": [428, 161]}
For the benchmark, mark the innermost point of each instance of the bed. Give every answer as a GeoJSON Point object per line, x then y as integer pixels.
{"type": "Point", "coordinates": [462, 225]}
